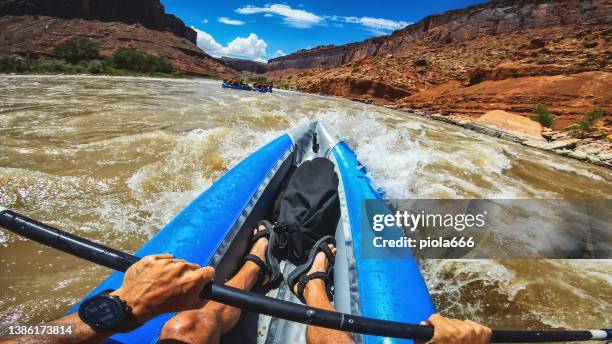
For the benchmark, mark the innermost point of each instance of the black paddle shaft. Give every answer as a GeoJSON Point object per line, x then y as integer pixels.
{"type": "Point", "coordinates": [121, 261]}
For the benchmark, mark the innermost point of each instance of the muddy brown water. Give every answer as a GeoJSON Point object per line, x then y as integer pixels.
{"type": "Point", "coordinates": [114, 159]}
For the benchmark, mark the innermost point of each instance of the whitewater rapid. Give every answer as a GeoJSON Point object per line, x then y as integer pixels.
{"type": "Point", "coordinates": [114, 159]}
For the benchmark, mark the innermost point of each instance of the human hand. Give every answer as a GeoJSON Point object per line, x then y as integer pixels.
{"type": "Point", "coordinates": [160, 284]}
{"type": "Point", "coordinates": [453, 331]}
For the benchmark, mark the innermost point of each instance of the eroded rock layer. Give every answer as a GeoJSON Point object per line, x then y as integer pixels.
{"type": "Point", "coordinates": [502, 55]}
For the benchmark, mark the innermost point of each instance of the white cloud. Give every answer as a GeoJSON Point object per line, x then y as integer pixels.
{"type": "Point", "coordinates": [250, 47]}
{"type": "Point", "coordinates": [376, 25]}
{"type": "Point", "coordinates": [207, 43]}
{"type": "Point", "coordinates": [279, 53]}
{"type": "Point", "coordinates": [302, 19]}
{"type": "Point", "coordinates": [292, 17]}
{"type": "Point", "coordinates": [205, 21]}
{"type": "Point", "coordinates": [228, 21]}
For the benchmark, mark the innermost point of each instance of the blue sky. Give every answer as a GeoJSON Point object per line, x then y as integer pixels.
{"type": "Point", "coordinates": [260, 30]}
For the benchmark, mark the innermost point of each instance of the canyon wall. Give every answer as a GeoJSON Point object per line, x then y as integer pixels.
{"type": "Point", "coordinates": [493, 18]}
{"type": "Point", "coordinates": [33, 28]}
{"type": "Point", "coordinates": [245, 65]}
{"type": "Point", "coordinates": [149, 13]}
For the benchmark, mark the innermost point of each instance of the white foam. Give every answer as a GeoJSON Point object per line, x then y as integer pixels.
{"type": "Point", "coordinates": [465, 272]}
{"type": "Point", "coordinates": [199, 131]}
{"type": "Point", "coordinates": [395, 170]}
{"type": "Point", "coordinates": [565, 167]}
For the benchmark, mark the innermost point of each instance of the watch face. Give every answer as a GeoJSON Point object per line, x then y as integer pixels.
{"type": "Point", "coordinates": [101, 311]}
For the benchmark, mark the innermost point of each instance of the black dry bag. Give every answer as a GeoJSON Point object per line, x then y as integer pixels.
{"type": "Point", "coordinates": [308, 209]}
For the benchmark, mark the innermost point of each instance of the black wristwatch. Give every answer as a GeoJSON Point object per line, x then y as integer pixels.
{"type": "Point", "coordinates": [107, 312]}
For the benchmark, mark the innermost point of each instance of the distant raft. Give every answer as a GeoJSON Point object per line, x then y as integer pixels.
{"type": "Point", "coordinates": [263, 89]}
{"type": "Point", "coordinates": [237, 87]}
{"type": "Point", "coordinates": [263, 86]}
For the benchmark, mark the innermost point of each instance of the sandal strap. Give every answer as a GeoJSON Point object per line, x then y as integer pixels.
{"type": "Point", "coordinates": [265, 223]}
{"type": "Point", "coordinates": [263, 268]}
{"type": "Point", "coordinates": [262, 233]}
{"type": "Point", "coordinates": [302, 281]}
{"type": "Point", "coordinates": [328, 252]}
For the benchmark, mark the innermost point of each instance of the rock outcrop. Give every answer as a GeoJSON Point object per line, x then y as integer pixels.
{"type": "Point", "coordinates": [149, 13]}
{"type": "Point", "coordinates": [245, 65]}
{"type": "Point", "coordinates": [501, 55]}
{"type": "Point", "coordinates": [493, 18]}
{"type": "Point", "coordinates": [34, 27]}
{"type": "Point", "coordinates": [515, 124]}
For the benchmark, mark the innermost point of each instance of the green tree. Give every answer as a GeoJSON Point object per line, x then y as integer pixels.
{"type": "Point", "coordinates": [543, 115]}
{"type": "Point", "coordinates": [133, 60]}
{"type": "Point", "coordinates": [585, 126]}
{"type": "Point", "coordinates": [15, 64]}
{"type": "Point", "coordinates": [77, 49]}
{"type": "Point", "coordinates": [96, 67]}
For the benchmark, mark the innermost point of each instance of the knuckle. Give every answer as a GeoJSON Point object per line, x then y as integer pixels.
{"type": "Point", "coordinates": [453, 334]}
{"type": "Point", "coordinates": [148, 259]}
{"type": "Point", "coordinates": [208, 272]}
{"type": "Point", "coordinates": [178, 267]}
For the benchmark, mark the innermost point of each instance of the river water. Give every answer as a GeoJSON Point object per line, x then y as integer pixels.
{"type": "Point", "coordinates": [114, 159]}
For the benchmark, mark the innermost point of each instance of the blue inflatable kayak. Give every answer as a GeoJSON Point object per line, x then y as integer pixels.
{"type": "Point", "coordinates": [215, 230]}
{"type": "Point", "coordinates": [242, 88]}
{"type": "Point", "coordinates": [263, 90]}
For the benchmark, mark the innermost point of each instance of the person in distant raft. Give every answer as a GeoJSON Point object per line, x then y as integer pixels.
{"type": "Point", "coordinates": [307, 214]}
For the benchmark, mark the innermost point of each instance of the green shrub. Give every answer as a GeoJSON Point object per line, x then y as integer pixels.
{"type": "Point", "coordinates": [58, 67]}
{"type": "Point", "coordinates": [96, 67]}
{"type": "Point", "coordinates": [50, 66]}
{"type": "Point", "coordinates": [543, 115]}
{"type": "Point", "coordinates": [77, 49]}
{"type": "Point", "coordinates": [594, 114]}
{"type": "Point", "coordinates": [123, 62]}
{"type": "Point", "coordinates": [15, 64]}
{"type": "Point", "coordinates": [585, 126]}
{"type": "Point", "coordinates": [133, 60]}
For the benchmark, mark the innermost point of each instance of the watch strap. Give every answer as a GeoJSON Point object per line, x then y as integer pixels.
{"type": "Point", "coordinates": [130, 323]}
{"type": "Point", "coordinates": [127, 322]}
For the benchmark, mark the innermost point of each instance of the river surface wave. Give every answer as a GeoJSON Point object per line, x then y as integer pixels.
{"type": "Point", "coordinates": [114, 159]}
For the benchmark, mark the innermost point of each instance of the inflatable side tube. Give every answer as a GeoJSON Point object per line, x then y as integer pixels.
{"type": "Point", "coordinates": [198, 230]}
{"type": "Point", "coordinates": [389, 289]}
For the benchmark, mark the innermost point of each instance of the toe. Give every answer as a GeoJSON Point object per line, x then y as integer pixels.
{"type": "Point", "coordinates": [258, 229]}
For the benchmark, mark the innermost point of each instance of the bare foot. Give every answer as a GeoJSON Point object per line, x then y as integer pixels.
{"type": "Point", "coordinates": [259, 249]}
{"type": "Point", "coordinates": [320, 264]}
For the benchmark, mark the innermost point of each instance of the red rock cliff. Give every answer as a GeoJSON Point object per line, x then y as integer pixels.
{"type": "Point", "coordinates": [149, 13]}
{"type": "Point", "coordinates": [493, 18]}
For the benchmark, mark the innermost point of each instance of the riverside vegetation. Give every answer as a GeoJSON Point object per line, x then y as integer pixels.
{"type": "Point", "coordinates": [584, 128]}
{"type": "Point", "coordinates": [79, 55]}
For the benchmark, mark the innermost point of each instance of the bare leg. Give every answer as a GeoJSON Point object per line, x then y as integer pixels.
{"type": "Point", "coordinates": [209, 323]}
{"type": "Point", "coordinates": [315, 296]}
